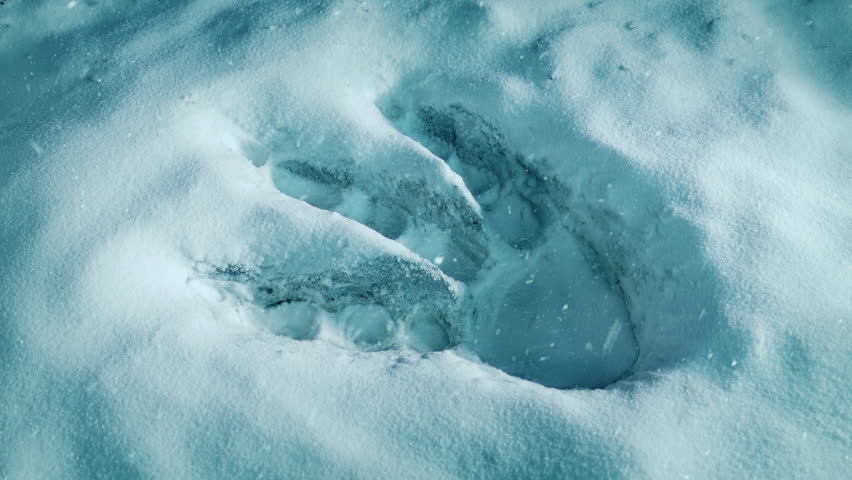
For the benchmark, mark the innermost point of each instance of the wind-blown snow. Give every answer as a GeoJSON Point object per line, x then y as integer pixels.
{"type": "Point", "coordinates": [425, 239]}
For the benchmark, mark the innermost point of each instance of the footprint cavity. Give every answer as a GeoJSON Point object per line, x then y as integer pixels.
{"type": "Point", "coordinates": [528, 275]}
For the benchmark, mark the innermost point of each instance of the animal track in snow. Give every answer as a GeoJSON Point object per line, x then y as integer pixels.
{"type": "Point", "coordinates": [538, 275]}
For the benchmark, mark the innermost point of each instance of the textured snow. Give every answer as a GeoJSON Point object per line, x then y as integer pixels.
{"type": "Point", "coordinates": [425, 239]}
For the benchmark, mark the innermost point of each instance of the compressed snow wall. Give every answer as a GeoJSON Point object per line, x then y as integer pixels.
{"type": "Point", "coordinates": [425, 239]}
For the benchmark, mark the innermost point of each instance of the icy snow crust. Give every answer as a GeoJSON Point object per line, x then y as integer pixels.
{"type": "Point", "coordinates": [425, 240]}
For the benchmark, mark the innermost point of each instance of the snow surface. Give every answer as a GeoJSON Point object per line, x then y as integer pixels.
{"type": "Point", "coordinates": [425, 239]}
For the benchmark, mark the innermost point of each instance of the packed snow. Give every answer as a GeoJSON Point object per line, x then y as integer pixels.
{"type": "Point", "coordinates": [423, 239]}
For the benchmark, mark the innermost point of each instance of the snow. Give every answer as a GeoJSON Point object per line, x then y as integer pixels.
{"type": "Point", "coordinates": [425, 239]}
